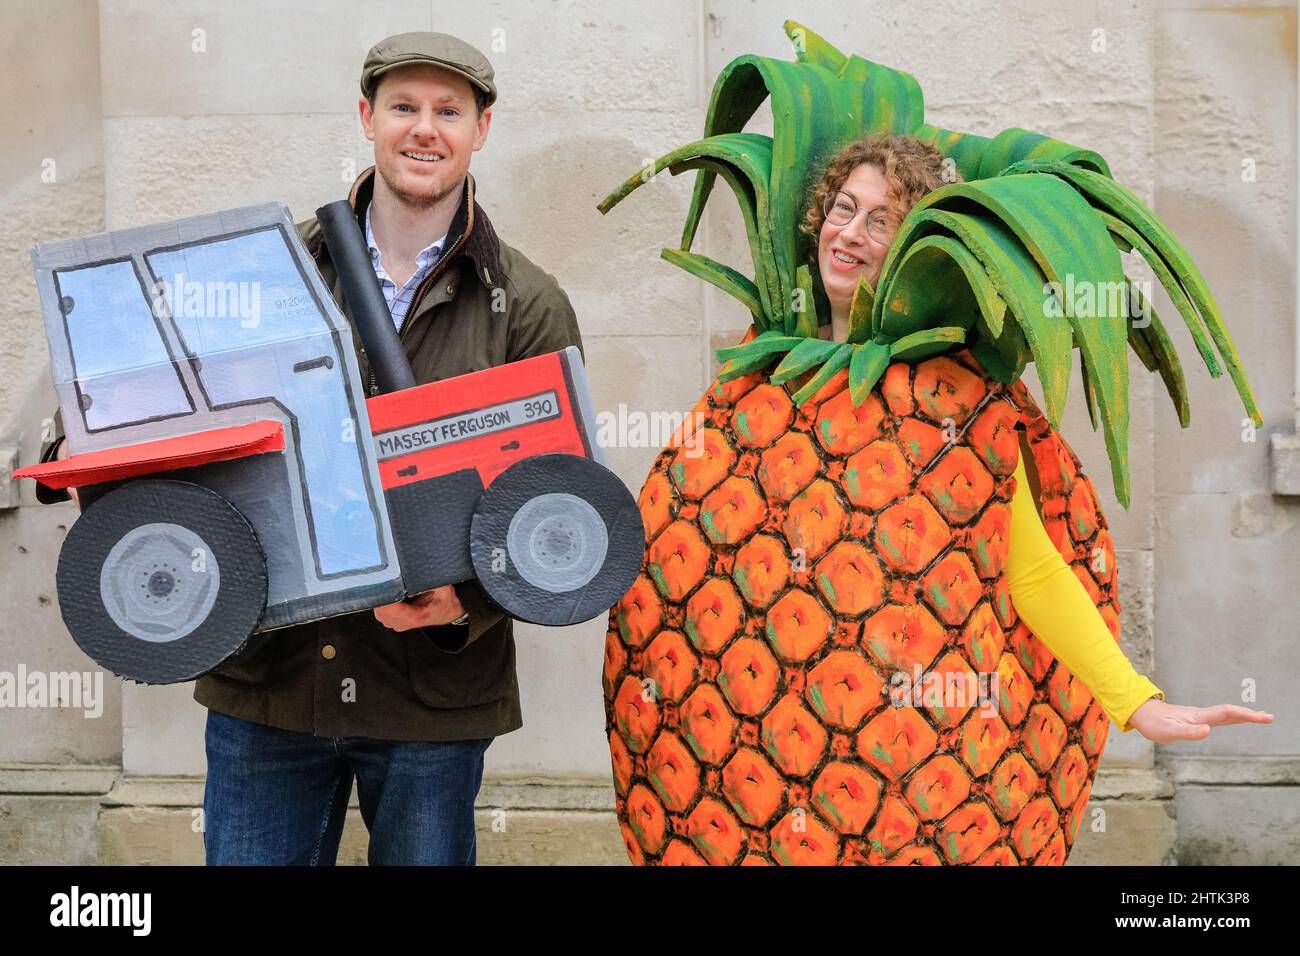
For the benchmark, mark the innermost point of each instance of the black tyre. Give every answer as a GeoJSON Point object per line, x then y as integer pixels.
{"type": "Point", "coordinates": [556, 539]}
{"type": "Point", "coordinates": [160, 581]}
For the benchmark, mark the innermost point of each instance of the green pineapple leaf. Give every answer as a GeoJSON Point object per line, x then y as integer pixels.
{"type": "Point", "coordinates": [1138, 342]}
{"type": "Point", "coordinates": [724, 277]}
{"type": "Point", "coordinates": [870, 359]}
{"type": "Point", "coordinates": [1069, 243]}
{"type": "Point", "coordinates": [1158, 244]}
{"type": "Point", "coordinates": [739, 367]}
{"type": "Point", "coordinates": [1152, 333]}
{"type": "Point", "coordinates": [1172, 286]}
{"type": "Point", "coordinates": [1088, 398]}
{"type": "Point", "coordinates": [1002, 263]}
{"type": "Point", "coordinates": [770, 343]}
{"type": "Point", "coordinates": [860, 311]}
{"type": "Point", "coordinates": [744, 160]}
{"type": "Point", "coordinates": [811, 48]}
{"type": "Point", "coordinates": [815, 111]}
{"type": "Point", "coordinates": [1030, 334]}
{"type": "Point", "coordinates": [838, 360]}
{"type": "Point", "coordinates": [939, 281]}
{"type": "Point", "coordinates": [802, 357]}
{"type": "Point", "coordinates": [927, 342]}
{"type": "Point", "coordinates": [804, 308]}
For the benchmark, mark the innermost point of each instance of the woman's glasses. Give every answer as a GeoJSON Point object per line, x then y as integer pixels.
{"type": "Point", "coordinates": [841, 209]}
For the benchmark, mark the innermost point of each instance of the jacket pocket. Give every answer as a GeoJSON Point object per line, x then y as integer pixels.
{"type": "Point", "coordinates": [483, 672]}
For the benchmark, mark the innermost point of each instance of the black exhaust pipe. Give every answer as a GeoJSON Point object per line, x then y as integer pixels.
{"type": "Point", "coordinates": [365, 300]}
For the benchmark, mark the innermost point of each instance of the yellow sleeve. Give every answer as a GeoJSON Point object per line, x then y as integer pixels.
{"type": "Point", "coordinates": [1057, 608]}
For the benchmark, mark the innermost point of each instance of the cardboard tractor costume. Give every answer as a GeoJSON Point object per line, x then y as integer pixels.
{"type": "Point", "coordinates": [848, 519]}
{"type": "Point", "coordinates": [234, 479]}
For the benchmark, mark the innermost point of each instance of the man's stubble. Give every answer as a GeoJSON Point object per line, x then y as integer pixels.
{"type": "Point", "coordinates": [417, 202]}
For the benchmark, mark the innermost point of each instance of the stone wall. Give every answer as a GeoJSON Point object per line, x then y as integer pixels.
{"type": "Point", "coordinates": [126, 113]}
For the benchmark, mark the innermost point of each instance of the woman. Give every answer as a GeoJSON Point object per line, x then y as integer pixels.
{"type": "Point", "coordinates": [856, 208]}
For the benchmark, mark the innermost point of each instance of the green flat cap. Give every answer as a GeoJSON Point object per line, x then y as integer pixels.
{"type": "Point", "coordinates": [439, 49]}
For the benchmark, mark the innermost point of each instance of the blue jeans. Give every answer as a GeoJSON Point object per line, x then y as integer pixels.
{"type": "Point", "coordinates": [278, 797]}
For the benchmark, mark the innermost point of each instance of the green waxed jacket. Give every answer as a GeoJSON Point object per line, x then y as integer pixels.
{"type": "Point", "coordinates": [484, 304]}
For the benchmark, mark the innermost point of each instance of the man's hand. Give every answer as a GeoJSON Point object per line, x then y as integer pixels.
{"type": "Point", "coordinates": [61, 454]}
{"type": "Point", "coordinates": [430, 609]}
{"type": "Point", "coordinates": [1162, 722]}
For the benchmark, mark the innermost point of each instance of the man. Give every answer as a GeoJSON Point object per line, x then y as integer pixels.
{"type": "Point", "coordinates": [406, 698]}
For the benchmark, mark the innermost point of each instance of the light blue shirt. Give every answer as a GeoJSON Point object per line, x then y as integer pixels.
{"type": "Point", "coordinates": [399, 300]}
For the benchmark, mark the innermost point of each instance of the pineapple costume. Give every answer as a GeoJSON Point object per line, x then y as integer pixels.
{"type": "Point", "coordinates": [839, 515]}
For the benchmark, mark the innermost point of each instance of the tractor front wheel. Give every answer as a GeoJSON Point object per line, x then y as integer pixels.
{"type": "Point", "coordinates": [556, 539]}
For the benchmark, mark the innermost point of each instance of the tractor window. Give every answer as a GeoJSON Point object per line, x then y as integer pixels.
{"type": "Point", "coordinates": [236, 292]}
{"type": "Point", "coordinates": [246, 314]}
{"type": "Point", "coordinates": [124, 372]}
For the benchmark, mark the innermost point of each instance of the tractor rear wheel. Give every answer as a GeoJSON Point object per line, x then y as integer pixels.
{"type": "Point", "coordinates": [160, 581]}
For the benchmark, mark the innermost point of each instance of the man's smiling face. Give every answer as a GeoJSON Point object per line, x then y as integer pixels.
{"type": "Point", "coordinates": [425, 125]}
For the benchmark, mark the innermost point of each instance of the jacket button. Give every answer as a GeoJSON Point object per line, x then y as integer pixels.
{"type": "Point", "coordinates": [327, 652]}
{"type": "Point", "coordinates": [451, 288]}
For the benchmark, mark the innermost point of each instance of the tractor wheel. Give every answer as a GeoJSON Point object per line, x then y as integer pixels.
{"type": "Point", "coordinates": [556, 539]}
{"type": "Point", "coordinates": [160, 581]}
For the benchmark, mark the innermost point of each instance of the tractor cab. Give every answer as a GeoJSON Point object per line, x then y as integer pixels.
{"type": "Point", "coordinates": [163, 338]}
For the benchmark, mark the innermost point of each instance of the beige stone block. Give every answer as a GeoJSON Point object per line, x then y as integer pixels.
{"type": "Point", "coordinates": [1138, 833]}
{"type": "Point", "coordinates": [541, 175]}
{"type": "Point", "coordinates": [1129, 820]}
{"type": "Point", "coordinates": [1238, 826]}
{"type": "Point", "coordinates": [641, 386]}
{"type": "Point", "coordinates": [562, 702]}
{"type": "Point", "coordinates": [155, 836]}
{"type": "Point", "coordinates": [53, 174]}
{"type": "Point", "coordinates": [47, 830]}
{"type": "Point", "coordinates": [171, 167]}
{"type": "Point", "coordinates": [1226, 184]}
{"type": "Point", "coordinates": [243, 57]}
{"type": "Point", "coordinates": [547, 822]}
{"type": "Point", "coordinates": [66, 779]}
{"type": "Point", "coordinates": [519, 838]}
{"type": "Point", "coordinates": [163, 730]}
{"type": "Point", "coordinates": [583, 54]}
{"type": "Point", "coordinates": [548, 838]}
{"type": "Point", "coordinates": [150, 836]}
{"type": "Point", "coordinates": [80, 720]}
{"type": "Point", "coordinates": [239, 61]}
{"type": "Point", "coordinates": [1226, 611]}
{"type": "Point", "coordinates": [903, 37]}
{"type": "Point", "coordinates": [1136, 584]}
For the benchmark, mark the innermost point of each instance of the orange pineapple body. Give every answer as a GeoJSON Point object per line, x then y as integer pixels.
{"type": "Point", "coordinates": [798, 564]}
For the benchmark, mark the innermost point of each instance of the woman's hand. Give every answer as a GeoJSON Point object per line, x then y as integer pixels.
{"type": "Point", "coordinates": [430, 609]}
{"type": "Point", "coordinates": [1162, 722]}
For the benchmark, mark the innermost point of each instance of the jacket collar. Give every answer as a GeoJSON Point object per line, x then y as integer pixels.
{"type": "Point", "coordinates": [481, 247]}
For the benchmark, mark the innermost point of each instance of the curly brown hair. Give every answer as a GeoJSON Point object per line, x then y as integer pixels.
{"type": "Point", "coordinates": [911, 167]}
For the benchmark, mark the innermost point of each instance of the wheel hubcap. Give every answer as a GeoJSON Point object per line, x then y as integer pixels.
{"type": "Point", "coordinates": [159, 582]}
{"type": "Point", "coordinates": [557, 542]}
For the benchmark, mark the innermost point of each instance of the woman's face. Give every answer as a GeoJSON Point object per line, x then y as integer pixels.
{"type": "Point", "coordinates": [836, 244]}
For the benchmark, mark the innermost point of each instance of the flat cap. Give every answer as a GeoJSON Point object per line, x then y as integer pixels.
{"type": "Point", "coordinates": [439, 49]}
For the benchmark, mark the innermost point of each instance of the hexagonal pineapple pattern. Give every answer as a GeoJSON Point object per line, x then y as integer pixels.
{"type": "Point", "coordinates": [795, 677]}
